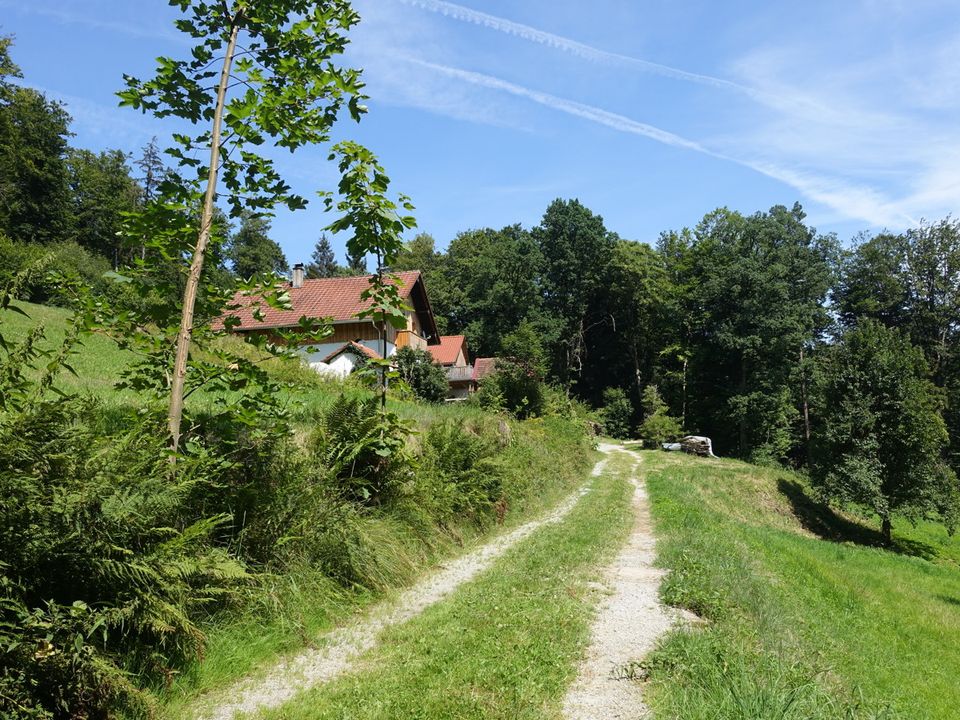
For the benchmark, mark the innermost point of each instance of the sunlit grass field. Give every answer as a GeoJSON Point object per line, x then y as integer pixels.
{"type": "Point", "coordinates": [807, 615]}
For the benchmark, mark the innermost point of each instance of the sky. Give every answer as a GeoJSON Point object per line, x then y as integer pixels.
{"type": "Point", "coordinates": [650, 112]}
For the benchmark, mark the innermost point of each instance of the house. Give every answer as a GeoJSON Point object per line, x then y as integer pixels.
{"type": "Point", "coordinates": [338, 301]}
{"type": "Point", "coordinates": [344, 360]}
{"type": "Point", "coordinates": [451, 354]}
{"type": "Point", "coordinates": [482, 367]}
{"type": "Point", "coordinates": [353, 340]}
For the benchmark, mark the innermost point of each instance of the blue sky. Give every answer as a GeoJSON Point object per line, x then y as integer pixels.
{"type": "Point", "coordinates": [651, 112]}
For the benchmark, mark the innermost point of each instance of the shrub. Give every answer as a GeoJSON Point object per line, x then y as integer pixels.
{"type": "Point", "coordinates": [658, 425]}
{"type": "Point", "coordinates": [364, 448]}
{"type": "Point", "coordinates": [517, 387]}
{"type": "Point", "coordinates": [417, 369]}
{"type": "Point", "coordinates": [41, 262]}
{"type": "Point", "coordinates": [462, 461]}
{"type": "Point", "coordinates": [107, 561]}
{"type": "Point", "coordinates": [617, 412]}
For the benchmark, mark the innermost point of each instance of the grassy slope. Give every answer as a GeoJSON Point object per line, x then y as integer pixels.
{"type": "Point", "coordinates": [544, 462]}
{"type": "Point", "coordinates": [301, 606]}
{"type": "Point", "coordinates": [801, 626]}
{"type": "Point", "coordinates": [99, 363]}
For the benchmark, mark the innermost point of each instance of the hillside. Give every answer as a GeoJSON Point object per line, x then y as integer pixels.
{"type": "Point", "coordinates": [807, 617]}
{"type": "Point", "coordinates": [297, 540]}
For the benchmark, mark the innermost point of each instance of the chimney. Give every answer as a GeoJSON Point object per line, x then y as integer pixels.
{"type": "Point", "coordinates": [297, 280]}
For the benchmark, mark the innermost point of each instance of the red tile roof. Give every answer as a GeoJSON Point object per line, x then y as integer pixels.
{"type": "Point", "coordinates": [482, 367]}
{"type": "Point", "coordinates": [354, 347]}
{"type": "Point", "coordinates": [450, 346]}
{"type": "Point", "coordinates": [336, 298]}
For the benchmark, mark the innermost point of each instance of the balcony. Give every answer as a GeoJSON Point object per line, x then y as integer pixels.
{"type": "Point", "coordinates": [460, 374]}
{"type": "Point", "coordinates": [408, 338]}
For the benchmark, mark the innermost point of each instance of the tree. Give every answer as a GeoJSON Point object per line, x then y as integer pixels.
{"type": "Point", "coordinates": [758, 287]}
{"type": "Point", "coordinates": [872, 281]}
{"type": "Point", "coordinates": [421, 254]}
{"type": "Point", "coordinates": [576, 249]}
{"type": "Point", "coordinates": [356, 264]}
{"type": "Point", "coordinates": [912, 281]}
{"type": "Point", "coordinates": [252, 252]}
{"type": "Point", "coordinates": [631, 303]}
{"type": "Point", "coordinates": [376, 227]}
{"type": "Point", "coordinates": [276, 80]}
{"type": "Point", "coordinates": [616, 413]}
{"type": "Point", "coordinates": [658, 425]}
{"type": "Point", "coordinates": [517, 383]}
{"type": "Point", "coordinates": [34, 193]}
{"type": "Point", "coordinates": [418, 254]}
{"type": "Point", "coordinates": [323, 263]}
{"type": "Point", "coordinates": [153, 168]}
{"type": "Point", "coordinates": [487, 285]}
{"type": "Point", "coordinates": [102, 192]}
{"type": "Point", "coordinates": [879, 434]}
{"type": "Point", "coordinates": [417, 369]}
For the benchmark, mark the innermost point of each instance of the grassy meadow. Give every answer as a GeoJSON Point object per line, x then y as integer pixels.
{"type": "Point", "coordinates": [806, 615]}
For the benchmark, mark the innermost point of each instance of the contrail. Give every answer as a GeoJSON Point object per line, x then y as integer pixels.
{"type": "Point", "coordinates": [579, 49]}
{"type": "Point", "coordinates": [571, 107]}
{"type": "Point", "coordinates": [859, 202]}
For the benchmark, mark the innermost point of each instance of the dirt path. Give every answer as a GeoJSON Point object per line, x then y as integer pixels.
{"type": "Point", "coordinates": [341, 647]}
{"type": "Point", "coordinates": [629, 622]}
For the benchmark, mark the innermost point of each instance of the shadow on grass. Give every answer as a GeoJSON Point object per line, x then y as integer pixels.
{"type": "Point", "coordinates": [826, 524]}
{"type": "Point", "coordinates": [949, 600]}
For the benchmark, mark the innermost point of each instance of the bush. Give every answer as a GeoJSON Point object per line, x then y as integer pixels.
{"type": "Point", "coordinates": [40, 261]}
{"type": "Point", "coordinates": [107, 560]}
{"type": "Point", "coordinates": [469, 482]}
{"type": "Point", "coordinates": [427, 380]}
{"type": "Point", "coordinates": [517, 388]}
{"type": "Point", "coordinates": [658, 425]}
{"type": "Point", "coordinates": [617, 412]}
{"type": "Point", "coordinates": [364, 448]}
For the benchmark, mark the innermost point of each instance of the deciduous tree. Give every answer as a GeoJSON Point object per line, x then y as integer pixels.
{"type": "Point", "coordinates": [879, 435]}
{"type": "Point", "coordinates": [253, 252]}
{"type": "Point", "coordinates": [258, 71]}
{"type": "Point", "coordinates": [34, 192]}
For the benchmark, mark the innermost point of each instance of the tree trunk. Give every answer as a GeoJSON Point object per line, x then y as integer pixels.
{"type": "Point", "coordinates": [803, 395]}
{"type": "Point", "coordinates": [383, 342]}
{"type": "Point", "coordinates": [184, 337]}
{"type": "Point", "coordinates": [683, 410]}
{"type": "Point", "coordinates": [743, 421]}
{"type": "Point", "coordinates": [886, 530]}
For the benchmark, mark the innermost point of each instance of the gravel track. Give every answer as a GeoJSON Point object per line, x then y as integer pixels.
{"type": "Point", "coordinates": [343, 646]}
{"type": "Point", "coordinates": [629, 622]}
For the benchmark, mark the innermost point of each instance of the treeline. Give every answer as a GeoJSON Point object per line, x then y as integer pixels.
{"type": "Point", "coordinates": [71, 205]}
{"type": "Point", "coordinates": [729, 319]}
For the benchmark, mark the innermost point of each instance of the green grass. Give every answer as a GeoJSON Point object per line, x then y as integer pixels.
{"type": "Point", "coordinates": [807, 617]}
{"type": "Point", "coordinates": [503, 646]}
{"type": "Point", "coordinates": [99, 363]}
{"type": "Point", "coordinates": [295, 609]}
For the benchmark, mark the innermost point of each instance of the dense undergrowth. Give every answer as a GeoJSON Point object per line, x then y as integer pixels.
{"type": "Point", "coordinates": [808, 614]}
{"type": "Point", "coordinates": [130, 579]}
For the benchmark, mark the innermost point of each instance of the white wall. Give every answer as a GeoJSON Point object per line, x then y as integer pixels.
{"type": "Point", "coordinates": [341, 366]}
{"type": "Point", "coordinates": [316, 353]}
